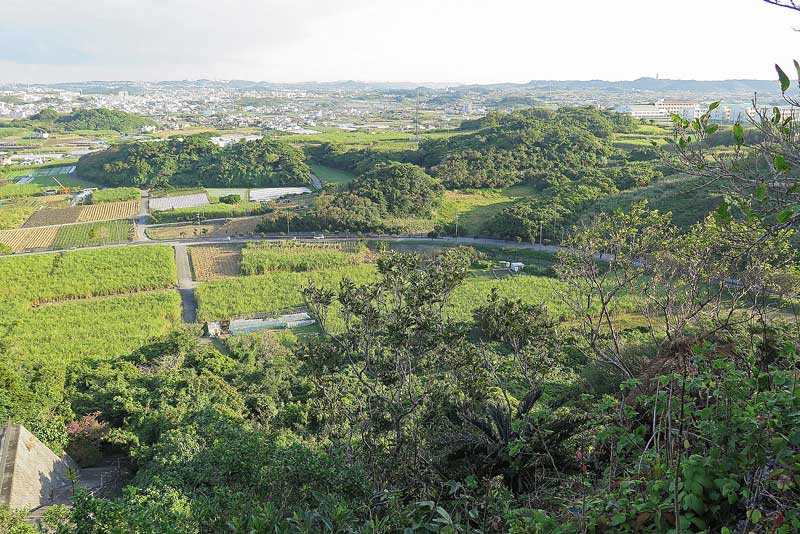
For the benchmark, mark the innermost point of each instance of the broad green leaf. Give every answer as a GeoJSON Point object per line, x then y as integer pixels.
{"type": "Point", "coordinates": [783, 78]}
{"type": "Point", "coordinates": [761, 192]}
{"type": "Point", "coordinates": [713, 106]}
{"type": "Point", "coordinates": [797, 67]}
{"type": "Point", "coordinates": [738, 134]}
{"type": "Point", "coordinates": [723, 214]}
{"type": "Point", "coordinates": [780, 163]}
{"type": "Point", "coordinates": [784, 215]}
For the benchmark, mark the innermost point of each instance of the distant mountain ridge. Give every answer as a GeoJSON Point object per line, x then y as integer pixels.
{"type": "Point", "coordinates": [711, 88]}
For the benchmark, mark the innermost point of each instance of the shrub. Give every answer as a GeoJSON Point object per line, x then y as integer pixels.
{"type": "Point", "coordinates": [85, 438]}
{"type": "Point", "coordinates": [230, 199]}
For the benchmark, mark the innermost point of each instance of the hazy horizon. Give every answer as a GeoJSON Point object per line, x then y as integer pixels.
{"type": "Point", "coordinates": [442, 42]}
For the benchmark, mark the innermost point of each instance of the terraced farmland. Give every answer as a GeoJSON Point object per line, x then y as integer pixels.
{"type": "Point", "coordinates": [216, 261]}
{"type": "Point", "coordinates": [52, 216]}
{"type": "Point", "coordinates": [109, 211]}
{"type": "Point", "coordinates": [29, 238]}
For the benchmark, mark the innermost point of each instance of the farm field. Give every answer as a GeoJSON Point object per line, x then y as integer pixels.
{"type": "Point", "coordinates": [473, 207]}
{"type": "Point", "coordinates": [217, 210]}
{"type": "Point", "coordinates": [67, 180]}
{"type": "Point", "coordinates": [103, 328]}
{"type": "Point", "coordinates": [215, 192]}
{"type": "Point", "coordinates": [215, 262]}
{"type": "Point", "coordinates": [233, 227]}
{"type": "Point", "coordinates": [222, 299]}
{"type": "Point", "coordinates": [17, 191]}
{"type": "Point", "coordinates": [92, 234]}
{"type": "Point", "coordinates": [331, 175]}
{"type": "Point", "coordinates": [109, 211]}
{"type": "Point", "coordinates": [267, 194]}
{"type": "Point", "coordinates": [116, 194]}
{"type": "Point", "coordinates": [14, 214]}
{"type": "Point", "coordinates": [265, 257]}
{"type": "Point", "coordinates": [177, 202]}
{"type": "Point", "coordinates": [88, 273]}
{"type": "Point", "coordinates": [53, 216]}
{"type": "Point", "coordinates": [29, 238]}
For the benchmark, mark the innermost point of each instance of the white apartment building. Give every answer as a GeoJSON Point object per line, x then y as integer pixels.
{"type": "Point", "coordinates": [785, 111]}
{"type": "Point", "coordinates": [687, 109]}
{"type": "Point", "coordinates": [644, 111]}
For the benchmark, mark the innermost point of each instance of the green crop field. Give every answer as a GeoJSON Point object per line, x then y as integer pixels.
{"type": "Point", "coordinates": [22, 190]}
{"type": "Point", "coordinates": [88, 273]}
{"type": "Point", "coordinates": [41, 320]}
{"type": "Point", "coordinates": [262, 258]}
{"type": "Point", "coordinates": [92, 234]}
{"type": "Point", "coordinates": [218, 210]}
{"type": "Point", "coordinates": [13, 215]}
{"type": "Point", "coordinates": [222, 299]}
{"type": "Point", "coordinates": [67, 180]}
{"type": "Point", "coordinates": [103, 328]}
{"type": "Point", "coordinates": [116, 194]}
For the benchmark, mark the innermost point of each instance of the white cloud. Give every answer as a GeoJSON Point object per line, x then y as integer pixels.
{"type": "Point", "coordinates": [415, 40]}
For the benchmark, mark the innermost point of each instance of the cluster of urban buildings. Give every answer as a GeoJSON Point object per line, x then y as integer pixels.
{"type": "Point", "coordinates": [351, 106]}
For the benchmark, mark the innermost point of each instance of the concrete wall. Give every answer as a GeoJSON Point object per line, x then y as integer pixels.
{"type": "Point", "coordinates": [31, 475]}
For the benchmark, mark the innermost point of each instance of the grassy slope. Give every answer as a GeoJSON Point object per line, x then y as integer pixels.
{"type": "Point", "coordinates": [329, 174]}
{"type": "Point", "coordinates": [687, 198]}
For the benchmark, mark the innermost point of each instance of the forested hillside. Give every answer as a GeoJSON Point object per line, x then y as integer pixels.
{"type": "Point", "coordinates": [566, 159]}
{"type": "Point", "coordinates": [196, 161]}
{"type": "Point", "coordinates": [91, 119]}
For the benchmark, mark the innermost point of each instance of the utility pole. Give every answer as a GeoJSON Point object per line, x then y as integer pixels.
{"type": "Point", "coordinates": [456, 225]}
{"type": "Point", "coordinates": [287, 222]}
{"type": "Point", "coordinates": [541, 228]}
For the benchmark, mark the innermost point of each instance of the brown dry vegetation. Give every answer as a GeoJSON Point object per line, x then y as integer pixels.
{"type": "Point", "coordinates": [216, 261]}
{"type": "Point", "coordinates": [51, 216]}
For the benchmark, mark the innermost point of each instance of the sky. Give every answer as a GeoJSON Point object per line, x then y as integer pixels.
{"type": "Point", "coordinates": [456, 41]}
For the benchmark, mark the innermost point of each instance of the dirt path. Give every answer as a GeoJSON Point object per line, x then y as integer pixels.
{"type": "Point", "coordinates": [186, 284]}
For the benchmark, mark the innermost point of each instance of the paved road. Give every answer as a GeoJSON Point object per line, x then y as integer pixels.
{"type": "Point", "coordinates": [211, 240]}
{"type": "Point", "coordinates": [186, 284]}
{"type": "Point", "coordinates": [316, 181]}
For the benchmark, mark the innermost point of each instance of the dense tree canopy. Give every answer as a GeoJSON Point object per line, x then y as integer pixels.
{"type": "Point", "coordinates": [399, 189]}
{"type": "Point", "coordinates": [196, 161]}
{"type": "Point", "coordinates": [93, 119]}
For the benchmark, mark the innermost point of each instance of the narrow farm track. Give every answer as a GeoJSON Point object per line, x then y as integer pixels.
{"type": "Point", "coordinates": [186, 284]}
{"type": "Point", "coordinates": [141, 219]}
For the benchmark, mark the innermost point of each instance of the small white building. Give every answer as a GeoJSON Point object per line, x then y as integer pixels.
{"type": "Point", "coordinates": [41, 135]}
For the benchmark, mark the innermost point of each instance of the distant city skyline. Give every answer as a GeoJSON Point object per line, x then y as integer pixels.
{"type": "Point", "coordinates": [433, 41]}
